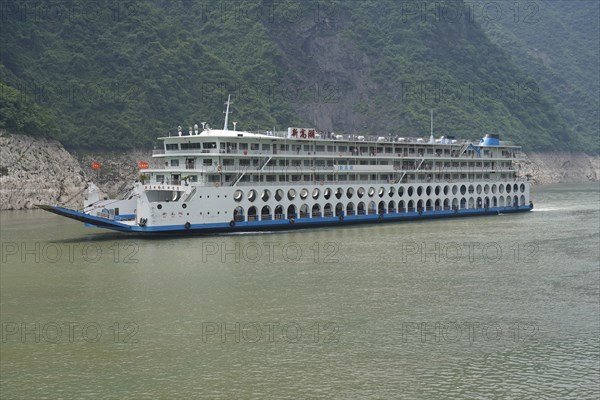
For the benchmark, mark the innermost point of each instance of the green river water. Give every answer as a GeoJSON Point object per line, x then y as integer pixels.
{"type": "Point", "coordinates": [503, 307]}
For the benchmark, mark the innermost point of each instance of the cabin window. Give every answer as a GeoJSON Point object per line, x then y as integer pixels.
{"type": "Point", "coordinates": [266, 147]}
{"type": "Point", "coordinates": [174, 163]}
{"type": "Point", "coordinates": [188, 146]}
{"type": "Point", "coordinates": [243, 146]}
{"type": "Point", "coordinates": [193, 178]}
{"type": "Point", "coordinates": [244, 163]}
{"type": "Point", "coordinates": [228, 161]}
{"type": "Point", "coordinates": [172, 146]}
{"type": "Point", "coordinates": [207, 162]}
{"type": "Point", "coordinates": [322, 148]}
{"type": "Point", "coordinates": [160, 179]}
{"type": "Point", "coordinates": [209, 145]}
{"type": "Point", "coordinates": [254, 146]}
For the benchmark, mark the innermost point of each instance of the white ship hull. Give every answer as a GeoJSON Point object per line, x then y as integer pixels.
{"type": "Point", "coordinates": [214, 209]}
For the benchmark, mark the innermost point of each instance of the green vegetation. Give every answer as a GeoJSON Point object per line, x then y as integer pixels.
{"type": "Point", "coordinates": [20, 114]}
{"type": "Point", "coordinates": [453, 68]}
{"type": "Point", "coordinates": [557, 42]}
{"type": "Point", "coordinates": [119, 74]}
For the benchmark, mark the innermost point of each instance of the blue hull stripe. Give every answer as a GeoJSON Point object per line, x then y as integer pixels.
{"type": "Point", "coordinates": [277, 224]}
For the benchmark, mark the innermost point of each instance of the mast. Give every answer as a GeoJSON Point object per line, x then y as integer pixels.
{"type": "Point", "coordinates": [227, 112]}
{"type": "Point", "coordinates": [431, 138]}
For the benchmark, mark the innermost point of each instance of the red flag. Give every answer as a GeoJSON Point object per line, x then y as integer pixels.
{"type": "Point", "coordinates": [96, 166]}
{"type": "Point", "coordinates": [143, 165]}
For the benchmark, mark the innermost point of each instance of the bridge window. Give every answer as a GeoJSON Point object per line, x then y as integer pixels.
{"type": "Point", "coordinates": [187, 146]}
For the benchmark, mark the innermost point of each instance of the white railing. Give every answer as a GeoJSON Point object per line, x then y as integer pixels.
{"type": "Point", "coordinates": [327, 154]}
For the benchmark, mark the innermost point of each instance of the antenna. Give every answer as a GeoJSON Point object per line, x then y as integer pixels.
{"type": "Point", "coordinates": [227, 112]}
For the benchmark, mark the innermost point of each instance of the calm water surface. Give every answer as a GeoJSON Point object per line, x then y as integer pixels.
{"type": "Point", "coordinates": [499, 307]}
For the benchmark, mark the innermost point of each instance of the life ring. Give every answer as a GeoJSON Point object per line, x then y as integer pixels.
{"type": "Point", "coordinates": [232, 223]}
{"type": "Point", "coordinates": [322, 183]}
{"type": "Point", "coordinates": [184, 205]}
{"type": "Point", "coordinates": [187, 225]}
{"type": "Point", "coordinates": [292, 221]}
{"type": "Point", "coordinates": [219, 168]}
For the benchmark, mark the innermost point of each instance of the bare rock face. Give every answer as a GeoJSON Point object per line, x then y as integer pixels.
{"type": "Point", "coordinates": [119, 169]}
{"type": "Point", "coordinates": [38, 171]}
{"type": "Point", "coordinates": [547, 168]}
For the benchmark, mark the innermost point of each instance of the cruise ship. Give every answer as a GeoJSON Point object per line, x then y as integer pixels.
{"type": "Point", "coordinates": [221, 180]}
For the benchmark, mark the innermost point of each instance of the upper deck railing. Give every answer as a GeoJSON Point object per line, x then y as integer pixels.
{"type": "Point", "coordinates": [354, 138]}
{"type": "Point", "coordinates": [330, 154]}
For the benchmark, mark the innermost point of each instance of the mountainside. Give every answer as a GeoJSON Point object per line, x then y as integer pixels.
{"type": "Point", "coordinates": [558, 43]}
{"type": "Point", "coordinates": [116, 75]}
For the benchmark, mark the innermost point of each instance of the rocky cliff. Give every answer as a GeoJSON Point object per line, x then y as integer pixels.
{"type": "Point", "coordinates": [38, 171]}
{"type": "Point", "coordinates": [41, 171]}
{"type": "Point", "coordinates": [548, 168]}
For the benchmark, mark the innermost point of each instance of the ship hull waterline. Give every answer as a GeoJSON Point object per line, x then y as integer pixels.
{"type": "Point", "coordinates": [276, 225]}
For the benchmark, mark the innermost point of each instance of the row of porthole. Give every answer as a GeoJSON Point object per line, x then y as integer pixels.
{"type": "Point", "coordinates": [381, 192]}
{"type": "Point", "coordinates": [386, 207]}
